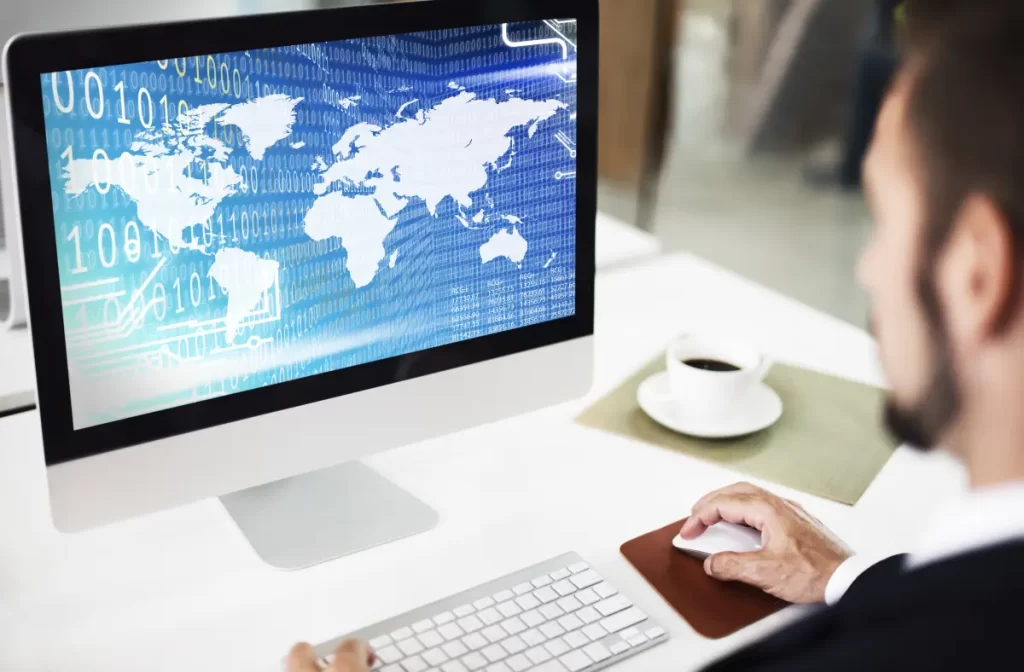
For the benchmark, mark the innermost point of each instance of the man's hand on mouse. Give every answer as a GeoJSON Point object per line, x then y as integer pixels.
{"type": "Point", "coordinates": [798, 554]}
{"type": "Point", "coordinates": [350, 656]}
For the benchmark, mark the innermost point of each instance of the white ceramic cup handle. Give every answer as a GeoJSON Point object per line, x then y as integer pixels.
{"type": "Point", "coordinates": [764, 368]}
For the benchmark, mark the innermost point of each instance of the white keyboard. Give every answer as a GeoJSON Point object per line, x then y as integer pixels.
{"type": "Point", "coordinates": [557, 616]}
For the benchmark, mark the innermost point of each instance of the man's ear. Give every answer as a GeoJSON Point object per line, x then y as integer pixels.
{"type": "Point", "coordinates": [978, 272]}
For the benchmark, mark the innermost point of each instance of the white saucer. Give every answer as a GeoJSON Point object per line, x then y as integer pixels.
{"type": "Point", "coordinates": [759, 409]}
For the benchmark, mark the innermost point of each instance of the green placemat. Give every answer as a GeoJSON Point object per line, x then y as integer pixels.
{"type": "Point", "coordinates": [829, 441]}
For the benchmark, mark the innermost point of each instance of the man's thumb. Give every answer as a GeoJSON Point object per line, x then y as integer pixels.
{"type": "Point", "coordinates": [727, 566]}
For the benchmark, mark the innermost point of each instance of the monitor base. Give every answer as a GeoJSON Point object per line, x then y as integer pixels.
{"type": "Point", "coordinates": [305, 520]}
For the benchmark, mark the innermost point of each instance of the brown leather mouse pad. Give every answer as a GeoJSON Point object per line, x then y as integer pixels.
{"type": "Point", "coordinates": [713, 608]}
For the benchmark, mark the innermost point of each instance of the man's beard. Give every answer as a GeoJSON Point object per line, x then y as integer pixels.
{"type": "Point", "coordinates": [922, 425]}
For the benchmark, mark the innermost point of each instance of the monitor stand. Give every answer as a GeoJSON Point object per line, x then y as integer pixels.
{"type": "Point", "coordinates": [304, 520]}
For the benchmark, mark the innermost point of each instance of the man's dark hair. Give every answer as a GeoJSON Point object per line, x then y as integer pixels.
{"type": "Point", "coordinates": [965, 111]}
{"type": "Point", "coordinates": [964, 63]}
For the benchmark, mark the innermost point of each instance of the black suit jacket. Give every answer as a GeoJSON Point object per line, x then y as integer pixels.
{"type": "Point", "coordinates": [965, 613]}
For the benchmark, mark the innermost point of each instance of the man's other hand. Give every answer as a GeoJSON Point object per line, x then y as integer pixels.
{"type": "Point", "coordinates": [350, 656]}
{"type": "Point", "coordinates": [798, 554]}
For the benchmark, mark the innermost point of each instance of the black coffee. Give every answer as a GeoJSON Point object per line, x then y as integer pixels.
{"type": "Point", "coordinates": [710, 365]}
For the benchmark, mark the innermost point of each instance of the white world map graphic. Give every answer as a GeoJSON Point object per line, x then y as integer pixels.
{"type": "Point", "coordinates": [178, 176]}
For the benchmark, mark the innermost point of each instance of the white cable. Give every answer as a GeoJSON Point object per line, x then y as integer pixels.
{"type": "Point", "coordinates": [532, 43]}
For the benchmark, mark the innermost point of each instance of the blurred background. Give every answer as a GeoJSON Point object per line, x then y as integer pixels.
{"type": "Point", "coordinates": [730, 129]}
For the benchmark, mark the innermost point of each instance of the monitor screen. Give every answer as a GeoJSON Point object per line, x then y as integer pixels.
{"type": "Point", "coordinates": [230, 221]}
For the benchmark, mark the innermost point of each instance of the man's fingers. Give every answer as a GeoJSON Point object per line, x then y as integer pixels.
{"type": "Point", "coordinates": [741, 488]}
{"type": "Point", "coordinates": [743, 567]}
{"type": "Point", "coordinates": [749, 510]}
{"type": "Point", "coordinates": [302, 659]}
{"type": "Point", "coordinates": [352, 656]}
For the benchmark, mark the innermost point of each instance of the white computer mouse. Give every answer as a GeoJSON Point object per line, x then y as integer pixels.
{"type": "Point", "coordinates": [719, 538]}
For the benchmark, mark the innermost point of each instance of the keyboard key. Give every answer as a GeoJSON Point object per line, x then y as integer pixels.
{"type": "Point", "coordinates": [498, 667]}
{"type": "Point", "coordinates": [552, 629]}
{"type": "Point", "coordinates": [638, 640]}
{"type": "Point", "coordinates": [570, 622]}
{"type": "Point", "coordinates": [569, 604]}
{"type": "Point", "coordinates": [538, 655]}
{"type": "Point", "coordinates": [542, 581]}
{"type": "Point", "coordinates": [594, 632]}
{"type": "Point", "coordinates": [389, 654]}
{"type": "Point", "coordinates": [629, 633]}
{"type": "Point", "coordinates": [414, 664]}
{"type": "Point", "coordinates": [654, 632]}
{"type": "Point", "coordinates": [534, 637]}
{"type": "Point", "coordinates": [613, 605]}
{"type": "Point", "coordinates": [522, 589]}
{"type": "Point", "coordinates": [470, 623]}
{"type": "Point", "coordinates": [380, 642]}
{"type": "Point", "coordinates": [450, 631]}
{"type": "Point", "coordinates": [410, 646]}
{"type": "Point", "coordinates": [430, 639]}
{"type": "Point", "coordinates": [490, 616]}
{"type": "Point", "coordinates": [519, 663]}
{"type": "Point", "coordinates": [575, 661]}
{"type": "Point", "coordinates": [509, 609]}
{"type": "Point", "coordinates": [423, 626]}
{"type": "Point", "coordinates": [588, 615]}
{"type": "Point", "coordinates": [516, 644]}
{"type": "Point", "coordinates": [483, 603]}
{"type": "Point", "coordinates": [494, 633]}
{"type": "Point", "coordinates": [445, 617]}
{"type": "Point", "coordinates": [453, 666]}
{"type": "Point", "coordinates": [550, 611]}
{"type": "Point", "coordinates": [618, 647]}
{"type": "Point", "coordinates": [550, 666]}
{"type": "Point", "coordinates": [464, 610]}
{"type": "Point", "coordinates": [579, 567]}
{"type": "Point", "coordinates": [604, 590]}
{"type": "Point", "coordinates": [513, 626]}
{"type": "Point", "coordinates": [401, 633]}
{"type": "Point", "coordinates": [560, 574]}
{"type": "Point", "coordinates": [455, 649]}
{"type": "Point", "coordinates": [435, 657]}
{"type": "Point", "coordinates": [494, 653]}
{"type": "Point", "coordinates": [474, 661]}
{"type": "Point", "coordinates": [527, 602]}
{"type": "Point", "coordinates": [475, 642]}
{"type": "Point", "coordinates": [576, 639]}
{"type": "Point", "coordinates": [586, 579]}
{"type": "Point", "coordinates": [557, 647]}
{"type": "Point", "coordinates": [597, 652]}
{"type": "Point", "coordinates": [545, 595]}
{"type": "Point", "coordinates": [587, 596]}
{"type": "Point", "coordinates": [533, 618]}
{"type": "Point", "coordinates": [564, 588]}
{"type": "Point", "coordinates": [506, 595]}
{"type": "Point", "coordinates": [391, 668]}
{"type": "Point", "coordinates": [623, 619]}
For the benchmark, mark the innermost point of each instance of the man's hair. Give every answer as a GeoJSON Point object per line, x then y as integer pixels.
{"type": "Point", "coordinates": [965, 111]}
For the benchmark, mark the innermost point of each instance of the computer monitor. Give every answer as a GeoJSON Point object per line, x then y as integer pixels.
{"type": "Point", "coordinates": [260, 247]}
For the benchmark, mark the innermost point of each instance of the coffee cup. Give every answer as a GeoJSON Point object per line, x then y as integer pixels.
{"type": "Point", "coordinates": [709, 376]}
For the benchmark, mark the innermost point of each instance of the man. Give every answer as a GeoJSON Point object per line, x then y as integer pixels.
{"type": "Point", "coordinates": [945, 272]}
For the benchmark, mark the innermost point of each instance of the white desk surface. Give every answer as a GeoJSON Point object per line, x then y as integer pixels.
{"type": "Point", "coordinates": [617, 244]}
{"type": "Point", "coordinates": [17, 370]}
{"type": "Point", "coordinates": [181, 590]}
{"type": "Point", "coordinates": [620, 243]}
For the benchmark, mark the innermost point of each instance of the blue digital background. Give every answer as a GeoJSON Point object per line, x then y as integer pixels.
{"type": "Point", "coordinates": [137, 312]}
